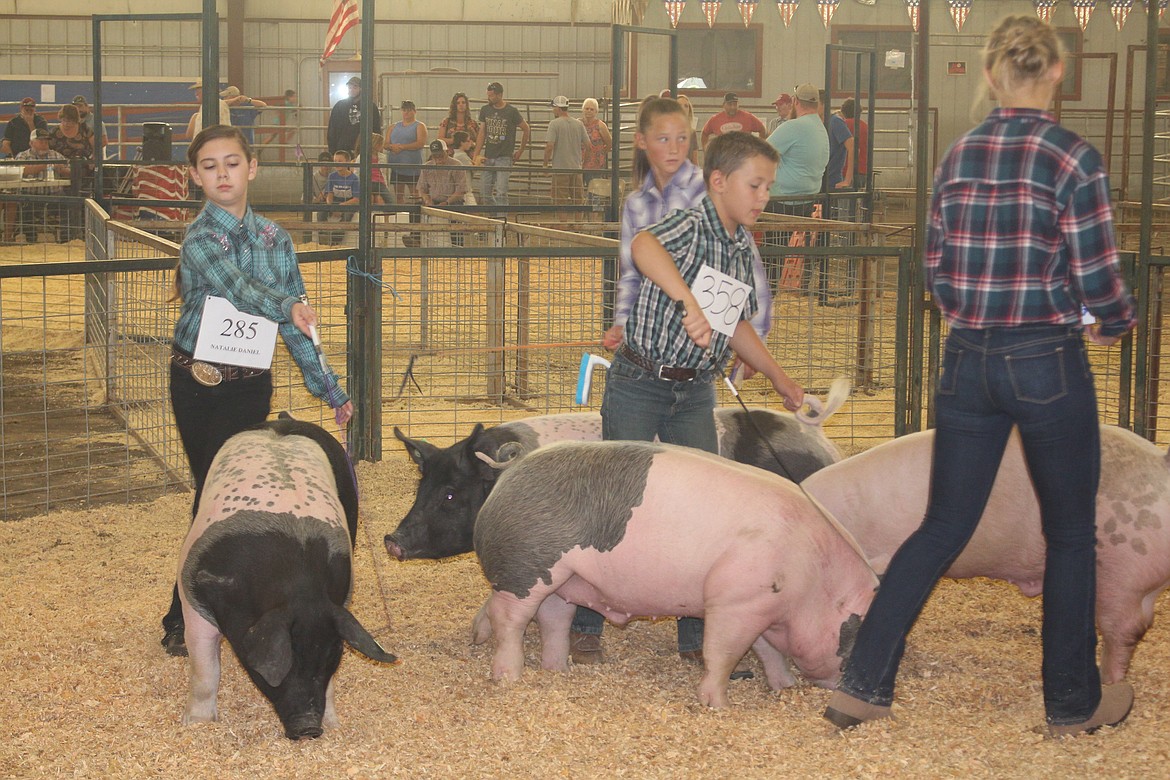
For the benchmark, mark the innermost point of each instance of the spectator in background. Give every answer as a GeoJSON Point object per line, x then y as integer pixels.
{"type": "Point", "coordinates": [860, 131]}
{"type": "Point", "coordinates": [783, 104]}
{"type": "Point", "coordinates": [378, 191]}
{"type": "Point", "coordinates": [495, 146]}
{"type": "Point", "coordinates": [405, 151]}
{"type": "Point", "coordinates": [345, 117]}
{"type": "Point", "coordinates": [19, 130]}
{"type": "Point", "coordinates": [461, 154]}
{"type": "Point", "coordinates": [839, 173]}
{"type": "Point", "coordinates": [731, 119]}
{"type": "Point", "coordinates": [343, 187]}
{"type": "Point", "coordinates": [243, 110]}
{"type": "Point", "coordinates": [405, 155]}
{"type": "Point", "coordinates": [74, 142]}
{"type": "Point", "coordinates": [39, 165]}
{"type": "Point", "coordinates": [564, 148]}
{"type": "Point", "coordinates": [196, 122]}
{"type": "Point", "coordinates": [458, 119]}
{"type": "Point", "coordinates": [441, 183]}
{"type": "Point", "coordinates": [595, 161]}
{"type": "Point", "coordinates": [84, 112]}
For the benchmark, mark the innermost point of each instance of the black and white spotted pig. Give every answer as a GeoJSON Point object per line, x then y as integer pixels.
{"type": "Point", "coordinates": [267, 564]}
{"type": "Point", "coordinates": [454, 481]}
{"type": "Point", "coordinates": [644, 529]}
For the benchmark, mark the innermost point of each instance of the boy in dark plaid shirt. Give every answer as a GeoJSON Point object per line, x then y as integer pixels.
{"type": "Point", "coordinates": [661, 382]}
{"type": "Point", "coordinates": [662, 379]}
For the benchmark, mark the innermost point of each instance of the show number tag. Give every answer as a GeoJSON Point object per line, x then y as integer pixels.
{"type": "Point", "coordinates": [721, 297]}
{"type": "Point", "coordinates": [227, 335]}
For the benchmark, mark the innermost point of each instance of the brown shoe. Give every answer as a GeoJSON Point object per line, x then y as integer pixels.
{"type": "Point", "coordinates": [586, 648]}
{"type": "Point", "coordinates": [1116, 702]}
{"type": "Point", "coordinates": [845, 711]}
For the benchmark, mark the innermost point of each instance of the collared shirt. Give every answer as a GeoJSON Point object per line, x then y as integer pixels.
{"type": "Point", "coordinates": [1021, 229]}
{"type": "Point", "coordinates": [693, 237]}
{"type": "Point", "coordinates": [648, 205]}
{"type": "Point", "coordinates": [251, 263]}
{"type": "Point", "coordinates": [30, 155]}
{"type": "Point", "coordinates": [439, 180]}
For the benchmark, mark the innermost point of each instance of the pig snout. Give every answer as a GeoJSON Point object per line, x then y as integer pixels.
{"type": "Point", "coordinates": [307, 726]}
{"type": "Point", "coordinates": [394, 548]}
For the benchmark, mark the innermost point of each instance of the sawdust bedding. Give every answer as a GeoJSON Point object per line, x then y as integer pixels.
{"type": "Point", "coordinates": [88, 692]}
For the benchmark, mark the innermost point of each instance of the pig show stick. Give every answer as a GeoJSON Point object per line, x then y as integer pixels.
{"type": "Point", "coordinates": [682, 312]}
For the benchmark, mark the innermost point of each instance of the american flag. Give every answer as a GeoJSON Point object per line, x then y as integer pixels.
{"type": "Point", "coordinates": [674, 9]}
{"type": "Point", "coordinates": [747, 9]}
{"type": "Point", "coordinates": [345, 16]}
{"type": "Point", "coordinates": [1120, 10]}
{"type": "Point", "coordinates": [787, 8]}
{"type": "Point", "coordinates": [1044, 9]}
{"type": "Point", "coordinates": [827, 9]}
{"type": "Point", "coordinates": [912, 10]}
{"type": "Point", "coordinates": [710, 10]}
{"type": "Point", "coordinates": [1083, 11]}
{"type": "Point", "coordinates": [959, 11]}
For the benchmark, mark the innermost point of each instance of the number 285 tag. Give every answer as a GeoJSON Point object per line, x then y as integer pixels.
{"type": "Point", "coordinates": [228, 335]}
{"type": "Point", "coordinates": [721, 297]}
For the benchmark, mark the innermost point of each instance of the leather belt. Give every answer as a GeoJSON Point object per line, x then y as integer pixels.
{"type": "Point", "coordinates": [669, 373]}
{"type": "Point", "coordinates": [211, 374]}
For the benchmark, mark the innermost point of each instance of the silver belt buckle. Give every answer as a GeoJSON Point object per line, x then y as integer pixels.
{"type": "Point", "coordinates": [206, 374]}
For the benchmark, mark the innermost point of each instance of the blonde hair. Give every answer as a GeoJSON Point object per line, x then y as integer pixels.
{"type": "Point", "coordinates": [589, 103]}
{"type": "Point", "coordinates": [1021, 49]}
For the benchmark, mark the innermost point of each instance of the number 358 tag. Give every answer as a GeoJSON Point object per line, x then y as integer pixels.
{"type": "Point", "coordinates": [721, 297]}
{"type": "Point", "coordinates": [228, 335]}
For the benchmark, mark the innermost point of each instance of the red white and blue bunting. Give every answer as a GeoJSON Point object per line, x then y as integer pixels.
{"type": "Point", "coordinates": [787, 8]}
{"type": "Point", "coordinates": [1083, 11]}
{"type": "Point", "coordinates": [1044, 9]}
{"type": "Point", "coordinates": [827, 9]}
{"type": "Point", "coordinates": [710, 10]}
{"type": "Point", "coordinates": [674, 9]}
{"type": "Point", "coordinates": [959, 11]}
{"type": "Point", "coordinates": [747, 9]}
{"type": "Point", "coordinates": [1120, 10]}
{"type": "Point", "coordinates": [1161, 6]}
{"type": "Point", "coordinates": [912, 9]}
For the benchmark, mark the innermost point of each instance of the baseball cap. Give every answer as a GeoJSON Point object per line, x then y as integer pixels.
{"type": "Point", "coordinates": [41, 132]}
{"type": "Point", "coordinates": [28, 102]}
{"type": "Point", "coordinates": [229, 93]}
{"type": "Point", "coordinates": [783, 99]}
{"type": "Point", "coordinates": [496, 86]}
{"type": "Point", "coordinates": [438, 145]}
{"type": "Point", "coordinates": [731, 97]}
{"type": "Point", "coordinates": [354, 81]}
{"type": "Point", "coordinates": [560, 101]}
{"type": "Point", "coordinates": [79, 100]}
{"type": "Point", "coordinates": [808, 93]}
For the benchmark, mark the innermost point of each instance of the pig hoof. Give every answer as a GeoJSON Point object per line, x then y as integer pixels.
{"type": "Point", "coordinates": [174, 641]}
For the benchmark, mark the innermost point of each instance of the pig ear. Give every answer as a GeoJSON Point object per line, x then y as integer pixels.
{"type": "Point", "coordinates": [358, 638]}
{"type": "Point", "coordinates": [268, 647]}
{"type": "Point", "coordinates": [418, 450]}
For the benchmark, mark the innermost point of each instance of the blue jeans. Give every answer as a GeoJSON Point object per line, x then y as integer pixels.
{"type": "Point", "coordinates": [493, 184]}
{"type": "Point", "coordinates": [639, 406]}
{"type": "Point", "coordinates": [1036, 378]}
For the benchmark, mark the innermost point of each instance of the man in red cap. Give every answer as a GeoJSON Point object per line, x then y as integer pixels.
{"type": "Point", "coordinates": [20, 128]}
{"type": "Point", "coordinates": [783, 104]}
{"type": "Point", "coordinates": [732, 119]}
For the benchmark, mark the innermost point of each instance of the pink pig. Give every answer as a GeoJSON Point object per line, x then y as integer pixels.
{"type": "Point", "coordinates": [643, 529]}
{"type": "Point", "coordinates": [880, 497]}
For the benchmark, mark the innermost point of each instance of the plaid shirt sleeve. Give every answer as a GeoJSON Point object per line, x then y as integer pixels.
{"type": "Point", "coordinates": [1087, 224]}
